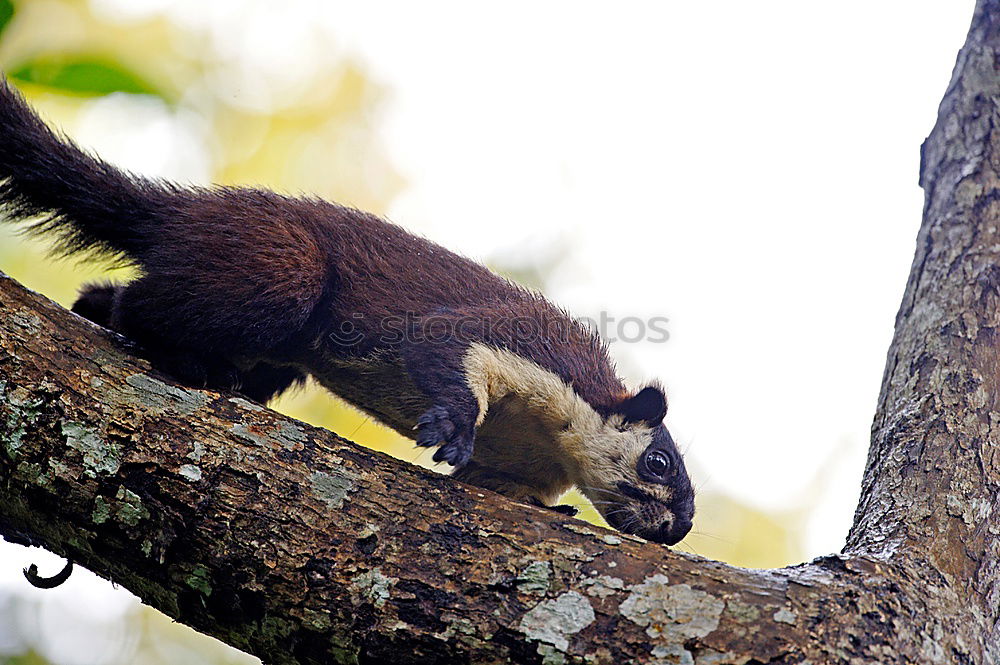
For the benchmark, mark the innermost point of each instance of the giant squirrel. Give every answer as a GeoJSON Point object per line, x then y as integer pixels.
{"type": "Point", "coordinates": [247, 290]}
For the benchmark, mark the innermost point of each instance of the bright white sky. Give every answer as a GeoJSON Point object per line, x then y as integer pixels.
{"type": "Point", "coordinates": [748, 170]}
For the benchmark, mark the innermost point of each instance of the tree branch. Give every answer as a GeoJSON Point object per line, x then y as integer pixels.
{"type": "Point", "coordinates": [300, 547]}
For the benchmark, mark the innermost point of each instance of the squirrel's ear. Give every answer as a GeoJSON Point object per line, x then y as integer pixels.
{"type": "Point", "coordinates": [649, 406]}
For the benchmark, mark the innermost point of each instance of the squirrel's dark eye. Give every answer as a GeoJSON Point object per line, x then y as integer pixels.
{"type": "Point", "coordinates": [657, 463]}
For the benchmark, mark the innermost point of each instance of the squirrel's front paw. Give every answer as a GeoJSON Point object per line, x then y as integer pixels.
{"type": "Point", "coordinates": [436, 427]}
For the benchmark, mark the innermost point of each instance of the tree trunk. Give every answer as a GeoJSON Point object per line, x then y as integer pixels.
{"type": "Point", "coordinates": [300, 547]}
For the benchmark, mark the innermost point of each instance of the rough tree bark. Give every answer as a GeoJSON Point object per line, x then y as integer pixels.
{"type": "Point", "coordinates": [301, 547]}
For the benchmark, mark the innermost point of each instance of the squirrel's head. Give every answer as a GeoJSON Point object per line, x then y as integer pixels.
{"type": "Point", "coordinates": [635, 475]}
{"type": "Point", "coordinates": [615, 450]}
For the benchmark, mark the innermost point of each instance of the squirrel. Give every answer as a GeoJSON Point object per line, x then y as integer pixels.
{"type": "Point", "coordinates": [247, 290]}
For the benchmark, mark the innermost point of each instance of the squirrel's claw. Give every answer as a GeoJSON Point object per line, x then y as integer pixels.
{"type": "Point", "coordinates": [37, 581]}
{"type": "Point", "coordinates": [562, 509]}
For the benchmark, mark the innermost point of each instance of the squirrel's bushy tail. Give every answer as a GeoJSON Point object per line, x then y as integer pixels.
{"type": "Point", "coordinates": [84, 204]}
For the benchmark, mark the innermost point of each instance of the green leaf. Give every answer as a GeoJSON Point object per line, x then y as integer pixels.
{"type": "Point", "coordinates": [6, 13]}
{"type": "Point", "coordinates": [82, 75]}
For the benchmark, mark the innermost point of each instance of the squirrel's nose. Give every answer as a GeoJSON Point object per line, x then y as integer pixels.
{"type": "Point", "coordinates": [672, 531]}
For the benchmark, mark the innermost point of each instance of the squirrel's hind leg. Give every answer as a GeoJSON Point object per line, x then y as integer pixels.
{"type": "Point", "coordinates": [120, 308]}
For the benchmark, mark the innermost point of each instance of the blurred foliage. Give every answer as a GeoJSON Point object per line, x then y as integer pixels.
{"type": "Point", "coordinates": [319, 137]}
{"type": "Point", "coordinates": [26, 658]}
{"type": "Point", "coordinates": [80, 74]}
{"type": "Point", "coordinates": [6, 14]}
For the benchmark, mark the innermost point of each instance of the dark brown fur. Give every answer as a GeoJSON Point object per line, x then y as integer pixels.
{"type": "Point", "coordinates": [249, 290]}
